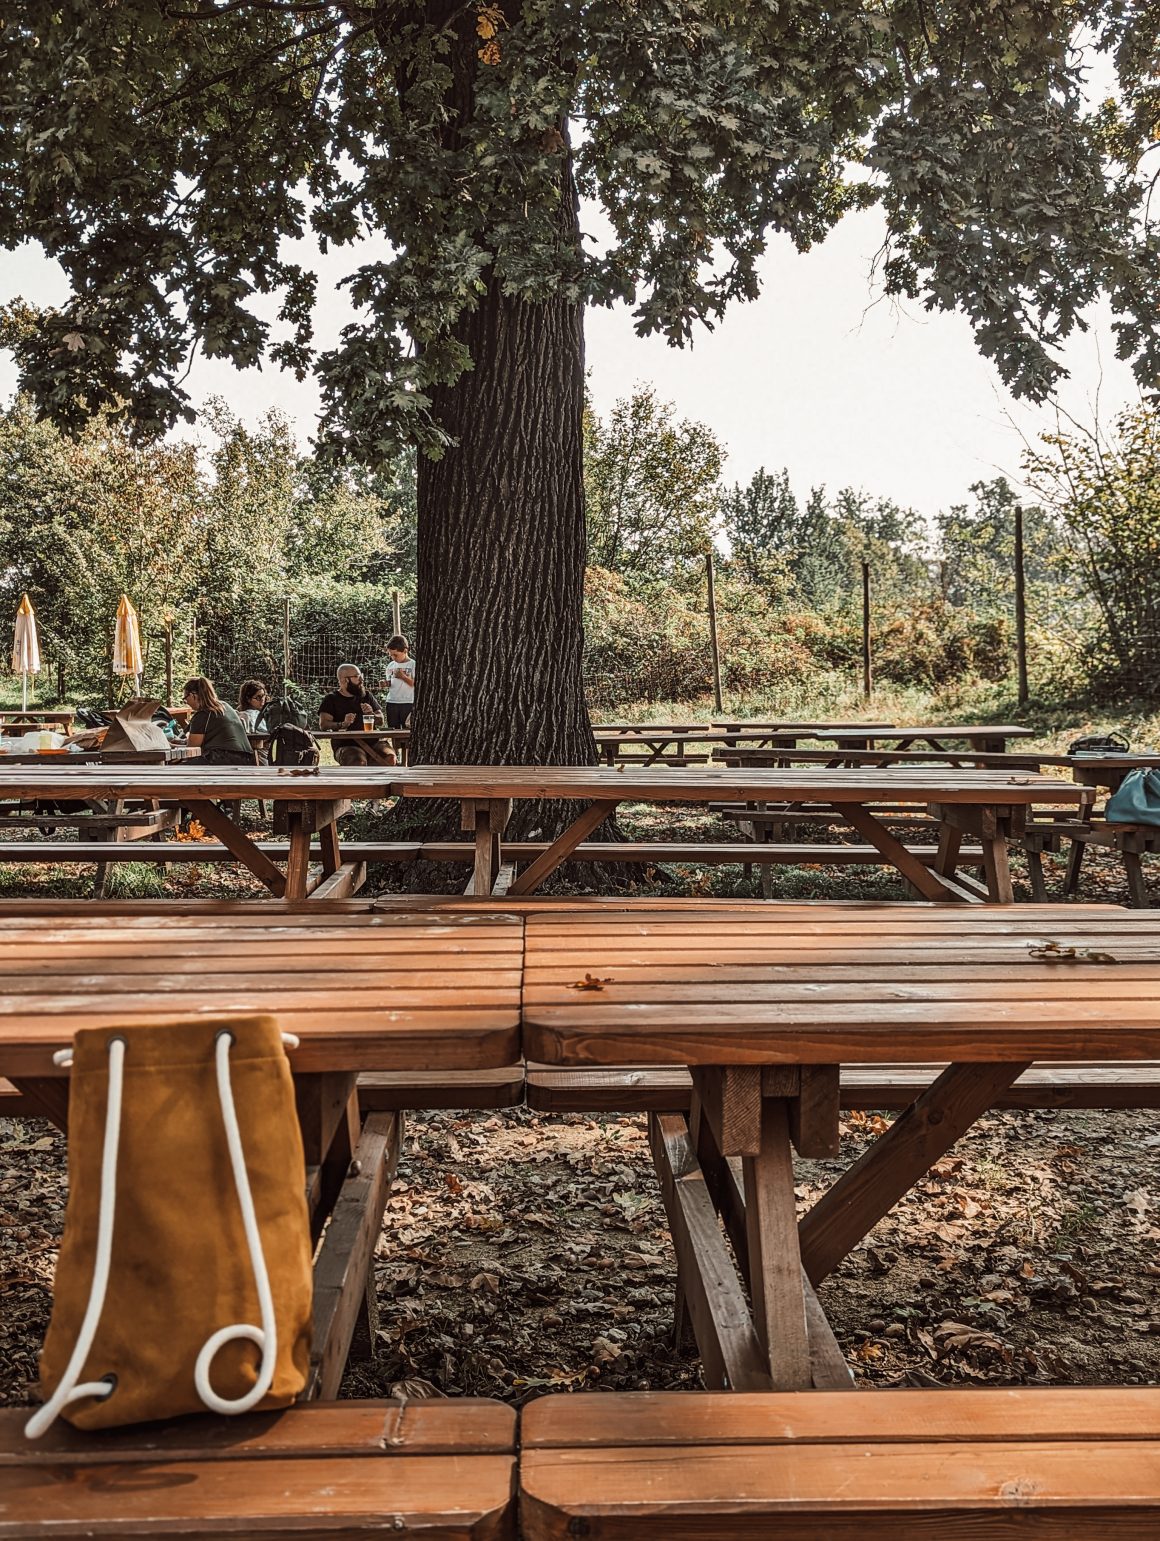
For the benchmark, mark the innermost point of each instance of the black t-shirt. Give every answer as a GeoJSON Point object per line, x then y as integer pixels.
{"type": "Point", "coordinates": [336, 706]}
{"type": "Point", "coordinates": [222, 733]}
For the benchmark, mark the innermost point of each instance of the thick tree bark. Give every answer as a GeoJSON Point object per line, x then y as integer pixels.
{"type": "Point", "coordinates": [501, 551]}
{"type": "Point", "coordinates": [502, 543]}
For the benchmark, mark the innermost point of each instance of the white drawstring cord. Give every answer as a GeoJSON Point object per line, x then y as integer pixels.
{"type": "Point", "coordinates": [68, 1391]}
{"type": "Point", "coordinates": [265, 1336]}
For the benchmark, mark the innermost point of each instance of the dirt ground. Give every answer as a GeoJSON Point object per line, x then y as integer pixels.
{"type": "Point", "coordinates": [525, 1253]}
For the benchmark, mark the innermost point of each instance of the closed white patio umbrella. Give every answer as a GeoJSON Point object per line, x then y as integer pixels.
{"type": "Point", "coordinates": [127, 657]}
{"type": "Point", "coordinates": [25, 648]}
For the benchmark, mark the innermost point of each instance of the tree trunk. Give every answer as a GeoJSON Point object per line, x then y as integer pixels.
{"type": "Point", "coordinates": [502, 543]}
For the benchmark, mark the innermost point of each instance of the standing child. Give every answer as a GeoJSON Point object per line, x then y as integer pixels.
{"type": "Point", "coordinates": [400, 683]}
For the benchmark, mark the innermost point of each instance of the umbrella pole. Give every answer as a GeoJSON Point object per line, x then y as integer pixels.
{"type": "Point", "coordinates": [23, 691]}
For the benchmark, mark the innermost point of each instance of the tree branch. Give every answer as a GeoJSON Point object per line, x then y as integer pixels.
{"type": "Point", "coordinates": [245, 65]}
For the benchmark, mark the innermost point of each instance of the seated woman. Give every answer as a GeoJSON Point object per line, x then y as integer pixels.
{"type": "Point", "coordinates": [252, 699]}
{"type": "Point", "coordinates": [215, 728]}
{"type": "Point", "coordinates": [346, 708]}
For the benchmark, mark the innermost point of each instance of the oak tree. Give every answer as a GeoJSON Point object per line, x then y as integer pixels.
{"type": "Point", "coordinates": [173, 154]}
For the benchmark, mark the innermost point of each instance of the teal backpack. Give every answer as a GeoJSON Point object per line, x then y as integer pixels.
{"type": "Point", "coordinates": [1137, 800]}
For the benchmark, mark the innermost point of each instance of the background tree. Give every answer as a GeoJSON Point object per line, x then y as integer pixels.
{"type": "Point", "coordinates": [224, 532]}
{"type": "Point", "coordinates": [1105, 487]}
{"type": "Point", "coordinates": [651, 487]}
{"type": "Point", "coordinates": [169, 153]}
{"type": "Point", "coordinates": [976, 555]}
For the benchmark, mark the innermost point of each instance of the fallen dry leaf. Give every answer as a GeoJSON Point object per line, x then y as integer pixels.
{"type": "Point", "coordinates": [592, 982]}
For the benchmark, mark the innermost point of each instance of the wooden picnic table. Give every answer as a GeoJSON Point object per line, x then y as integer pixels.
{"type": "Point", "coordinates": [360, 992]}
{"type": "Point", "coordinates": [663, 745]}
{"type": "Point", "coordinates": [635, 729]}
{"type": "Point", "coordinates": [370, 740]}
{"type": "Point", "coordinates": [765, 1008]}
{"type": "Point", "coordinates": [36, 717]}
{"type": "Point", "coordinates": [306, 801]}
{"type": "Point", "coordinates": [992, 806]}
{"type": "Point", "coordinates": [991, 737]}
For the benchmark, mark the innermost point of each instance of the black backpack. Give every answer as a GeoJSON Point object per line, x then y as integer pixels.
{"type": "Point", "coordinates": [293, 745]}
{"type": "Point", "coordinates": [283, 710]}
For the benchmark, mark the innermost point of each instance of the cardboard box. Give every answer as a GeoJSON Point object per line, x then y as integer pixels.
{"type": "Point", "coordinates": [133, 727]}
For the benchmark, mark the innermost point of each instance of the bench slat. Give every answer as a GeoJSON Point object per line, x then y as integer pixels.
{"type": "Point", "coordinates": [921, 1464]}
{"type": "Point", "coordinates": [466, 1426]}
{"type": "Point", "coordinates": [443, 1470]}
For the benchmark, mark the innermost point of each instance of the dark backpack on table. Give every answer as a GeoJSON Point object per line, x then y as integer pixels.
{"type": "Point", "coordinates": [282, 711]}
{"type": "Point", "coordinates": [293, 745]}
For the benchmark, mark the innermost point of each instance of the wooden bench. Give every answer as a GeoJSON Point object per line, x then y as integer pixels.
{"type": "Point", "coordinates": [843, 1465]}
{"type": "Point", "coordinates": [443, 1470]}
{"type": "Point", "coordinates": [669, 1089]}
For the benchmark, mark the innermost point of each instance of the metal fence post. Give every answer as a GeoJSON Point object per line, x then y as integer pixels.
{"type": "Point", "coordinates": [713, 633]}
{"type": "Point", "coordinates": [1020, 609]}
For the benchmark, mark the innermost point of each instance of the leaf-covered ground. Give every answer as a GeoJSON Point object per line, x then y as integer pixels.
{"type": "Point", "coordinates": [525, 1253]}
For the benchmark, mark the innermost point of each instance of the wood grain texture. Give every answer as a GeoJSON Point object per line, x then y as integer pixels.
{"type": "Point", "coordinates": [347, 1252]}
{"type": "Point", "coordinates": [437, 1497]}
{"type": "Point", "coordinates": [730, 1351]}
{"type": "Point", "coordinates": [968, 1465]}
{"type": "Point", "coordinates": [193, 782]}
{"type": "Point", "coordinates": [386, 992]}
{"type": "Point", "coordinates": [698, 783]}
{"type": "Point", "coordinates": [775, 1268]}
{"type": "Point", "coordinates": [821, 986]}
{"type": "Point", "coordinates": [465, 1426]}
{"type": "Point", "coordinates": [1061, 1492]}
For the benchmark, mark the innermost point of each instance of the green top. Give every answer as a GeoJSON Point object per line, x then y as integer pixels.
{"type": "Point", "coordinates": [224, 733]}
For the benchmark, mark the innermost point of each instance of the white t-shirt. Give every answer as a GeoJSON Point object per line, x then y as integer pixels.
{"type": "Point", "coordinates": [397, 691]}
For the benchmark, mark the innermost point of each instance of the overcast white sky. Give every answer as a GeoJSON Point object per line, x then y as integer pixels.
{"type": "Point", "coordinates": [814, 376]}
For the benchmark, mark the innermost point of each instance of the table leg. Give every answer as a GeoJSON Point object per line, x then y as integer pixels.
{"type": "Point", "coordinates": [46, 1096]}
{"type": "Point", "coordinates": [731, 1355]}
{"type": "Point", "coordinates": [790, 1343]}
{"type": "Point", "coordinates": [330, 849]}
{"type": "Point", "coordinates": [950, 842]}
{"type": "Point", "coordinates": [298, 856]}
{"type": "Point", "coordinates": [349, 1167]}
{"type": "Point", "coordinates": [779, 1307]}
{"type": "Point", "coordinates": [996, 863]}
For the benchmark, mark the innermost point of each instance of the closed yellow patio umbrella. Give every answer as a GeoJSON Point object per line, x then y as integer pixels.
{"type": "Point", "coordinates": [127, 644]}
{"type": "Point", "coordinates": [25, 648]}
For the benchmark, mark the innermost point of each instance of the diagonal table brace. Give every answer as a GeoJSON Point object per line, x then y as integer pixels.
{"type": "Point", "coordinates": [929, 884]}
{"type": "Point", "coordinates": [239, 845]}
{"type": "Point", "coordinates": [562, 847]}
{"type": "Point", "coordinates": [928, 1128]}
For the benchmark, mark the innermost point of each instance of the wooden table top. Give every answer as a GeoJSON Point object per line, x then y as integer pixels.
{"type": "Point", "coordinates": [966, 733]}
{"type": "Point", "coordinates": [170, 783]}
{"type": "Point", "coordinates": [788, 724]}
{"type": "Point", "coordinates": [363, 992]}
{"type": "Point", "coordinates": [354, 734]}
{"type": "Point", "coordinates": [817, 984]}
{"type": "Point", "coordinates": [702, 783]}
{"type": "Point", "coordinates": [176, 755]}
